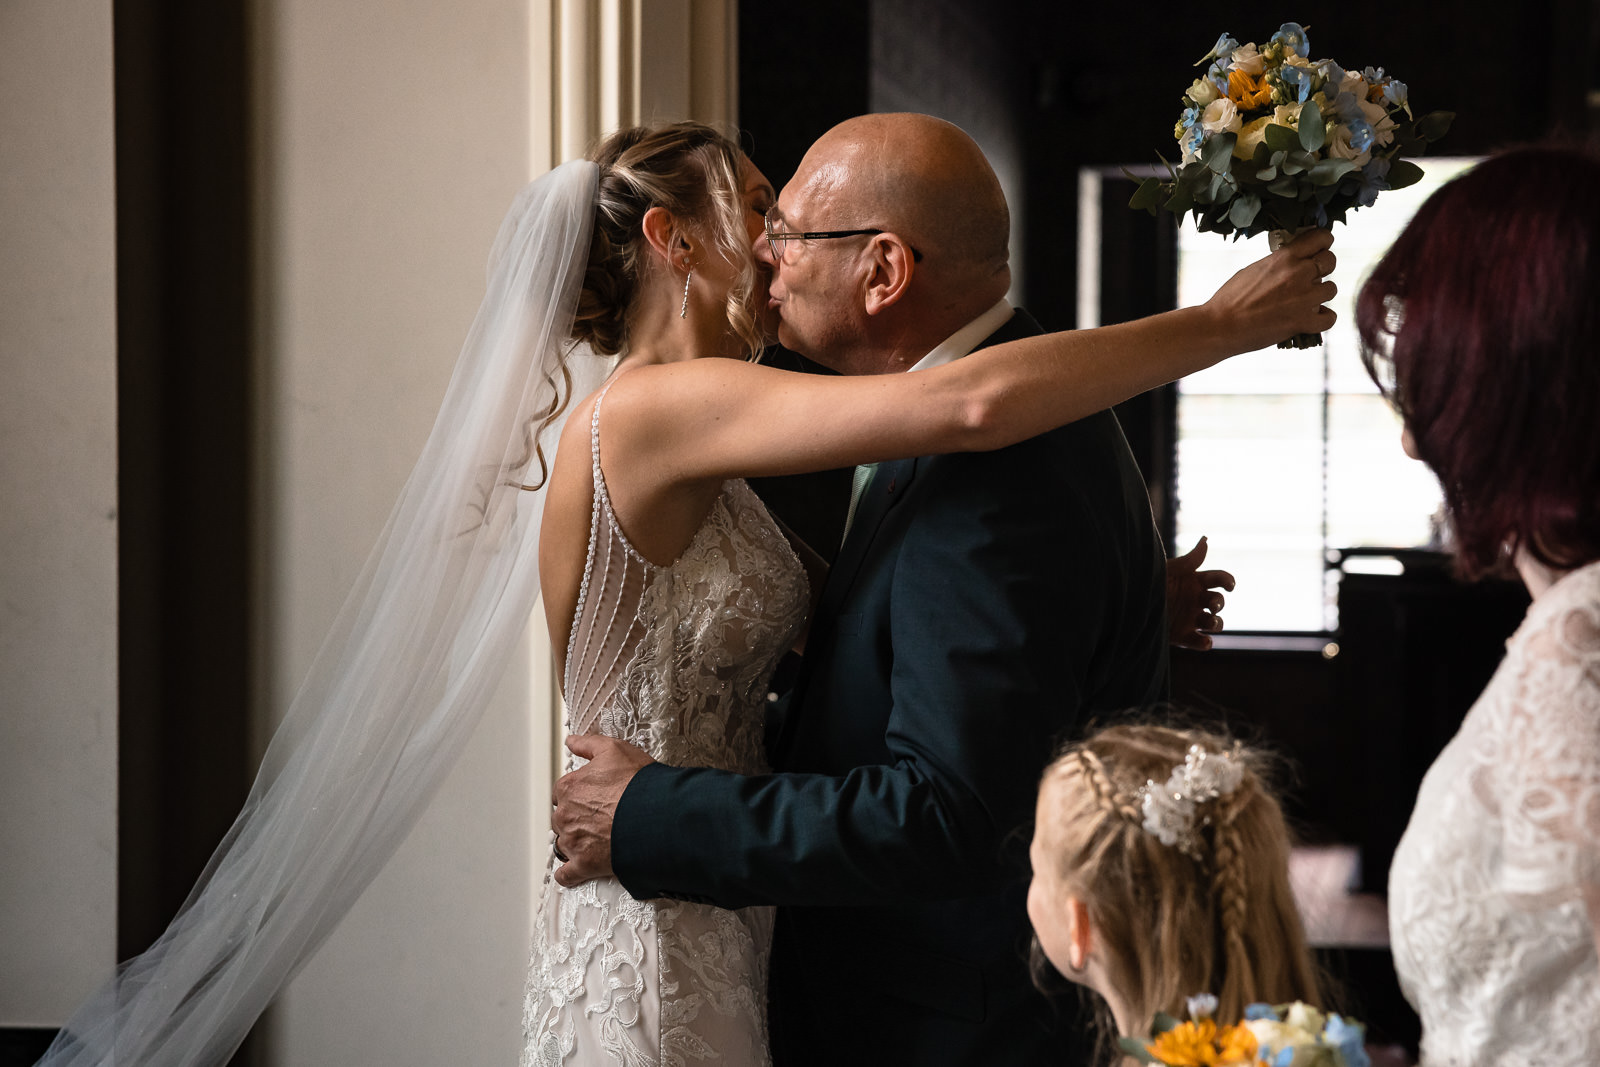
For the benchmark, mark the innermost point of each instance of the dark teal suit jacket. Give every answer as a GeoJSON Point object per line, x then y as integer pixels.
{"type": "Point", "coordinates": [983, 605]}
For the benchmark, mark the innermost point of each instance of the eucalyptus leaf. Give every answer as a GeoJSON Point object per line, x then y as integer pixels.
{"type": "Point", "coordinates": [1329, 171]}
{"type": "Point", "coordinates": [1243, 211]}
{"type": "Point", "coordinates": [1407, 143]}
{"type": "Point", "coordinates": [1403, 172]}
{"type": "Point", "coordinates": [1267, 175]}
{"type": "Point", "coordinates": [1312, 135]}
{"type": "Point", "coordinates": [1284, 186]}
{"type": "Point", "coordinates": [1147, 195]}
{"type": "Point", "coordinates": [1435, 124]}
{"type": "Point", "coordinates": [1182, 200]}
{"type": "Point", "coordinates": [1218, 152]}
{"type": "Point", "coordinates": [1261, 155]}
{"type": "Point", "coordinates": [1132, 1046]}
{"type": "Point", "coordinates": [1281, 138]}
{"type": "Point", "coordinates": [1161, 1024]}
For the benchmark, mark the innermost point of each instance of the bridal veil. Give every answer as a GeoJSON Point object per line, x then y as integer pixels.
{"type": "Point", "coordinates": [400, 681]}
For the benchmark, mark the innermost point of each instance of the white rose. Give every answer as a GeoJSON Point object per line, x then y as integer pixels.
{"type": "Point", "coordinates": [1354, 84]}
{"type": "Point", "coordinates": [1339, 147]}
{"type": "Point", "coordinates": [1303, 1016]}
{"type": "Point", "coordinates": [1382, 125]}
{"type": "Point", "coordinates": [1253, 133]}
{"type": "Point", "coordinates": [1247, 59]}
{"type": "Point", "coordinates": [1220, 116]}
{"type": "Point", "coordinates": [1270, 1034]}
{"type": "Point", "coordinates": [1203, 91]}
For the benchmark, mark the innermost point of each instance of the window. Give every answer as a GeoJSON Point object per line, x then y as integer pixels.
{"type": "Point", "coordinates": [1283, 456]}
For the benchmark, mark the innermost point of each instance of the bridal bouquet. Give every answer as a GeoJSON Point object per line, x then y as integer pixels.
{"type": "Point", "coordinates": [1286, 1035]}
{"type": "Point", "coordinates": [1274, 141]}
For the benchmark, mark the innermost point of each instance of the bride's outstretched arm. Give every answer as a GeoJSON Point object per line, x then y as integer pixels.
{"type": "Point", "coordinates": [709, 419]}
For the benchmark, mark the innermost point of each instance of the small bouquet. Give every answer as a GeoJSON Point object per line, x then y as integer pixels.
{"type": "Point", "coordinates": [1285, 1035]}
{"type": "Point", "coordinates": [1275, 142]}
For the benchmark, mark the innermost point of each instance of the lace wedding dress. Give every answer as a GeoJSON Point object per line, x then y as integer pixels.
{"type": "Point", "coordinates": [1492, 940]}
{"type": "Point", "coordinates": [675, 659]}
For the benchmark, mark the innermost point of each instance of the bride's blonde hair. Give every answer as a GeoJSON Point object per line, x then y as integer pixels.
{"type": "Point", "coordinates": [693, 171]}
{"type": "Point", "coordinates": [1171, 925]}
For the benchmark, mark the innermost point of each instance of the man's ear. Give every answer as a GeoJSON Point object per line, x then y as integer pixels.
{"type": "Point", "coordinates": [891, 268]}
{"type": "Point", "coordinates": [667, 239]}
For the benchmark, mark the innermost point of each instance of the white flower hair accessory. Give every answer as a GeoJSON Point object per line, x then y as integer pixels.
{"type": "Point", "coordinates": [1172, 811]}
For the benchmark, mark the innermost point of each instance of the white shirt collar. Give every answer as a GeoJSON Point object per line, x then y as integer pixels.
{"type": "Point", "coordinates": [967, 338]}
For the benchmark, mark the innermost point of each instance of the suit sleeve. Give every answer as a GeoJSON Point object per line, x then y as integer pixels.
{"type": "Point", "coordinates": [994, 625]}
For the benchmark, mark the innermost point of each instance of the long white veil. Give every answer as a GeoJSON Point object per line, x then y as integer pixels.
{"type": "Point", "coordinates": [400, 681]}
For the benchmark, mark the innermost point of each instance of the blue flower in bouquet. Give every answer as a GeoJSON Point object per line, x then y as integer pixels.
{"type": "Point", "coordinates": [1361, 135]}
{"type": "Point", "coordinates": [1293, 38]}
{"type": "Point", "coordinates": [1374, 180]}
{"type": "Point", "coordinates": [1296, 82]}
{"type": "Point", "coordinates": [1395, 94]}
{"type": "Point", "coordinates": [1260, 1011]}
{"type": "Point", "coordinates": [1222, 51]}
{"type": "Point", "coordinates": [1190, 116]}
{"type": "Point", "coordinates": [1374, 75]}
{"type": "Point", "coordinates": [1349, 1038]}
{"type": "Point", "coordinates": [1332, 72]}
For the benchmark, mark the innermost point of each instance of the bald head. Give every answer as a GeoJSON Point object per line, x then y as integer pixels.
{"type": "Point", "coordinates": [926, 180]}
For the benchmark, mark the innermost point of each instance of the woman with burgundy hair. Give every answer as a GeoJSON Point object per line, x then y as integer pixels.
{"type": "Point", "coordinates": [1481, 324]}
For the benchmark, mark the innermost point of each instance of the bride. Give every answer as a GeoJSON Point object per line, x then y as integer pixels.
{"type": "Point", "coordinates": [669, 591]}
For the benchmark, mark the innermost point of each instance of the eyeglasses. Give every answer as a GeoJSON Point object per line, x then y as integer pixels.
{"type": "Point", "coordinates": [775, 239]}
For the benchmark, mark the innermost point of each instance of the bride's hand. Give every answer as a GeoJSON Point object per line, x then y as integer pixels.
{"type": "Point", "coordinates": [1280, 295]}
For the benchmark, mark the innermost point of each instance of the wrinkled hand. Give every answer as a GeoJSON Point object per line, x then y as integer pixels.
{"type": "Point", "coordinates": [586, 802]}
{"type": "Point", "coordinates": [1193, 602]}
{"type": "Point", "coordinates": [1281, 295]}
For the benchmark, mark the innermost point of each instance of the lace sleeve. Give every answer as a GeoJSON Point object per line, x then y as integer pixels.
{"type": "Point", "coordinates": [1549, 768]}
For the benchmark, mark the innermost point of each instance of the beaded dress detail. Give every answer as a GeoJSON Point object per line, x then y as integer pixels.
{"type": "Point", "coordinates": [1493, 941]}
{"type": "Point", "coordinates": [675, 659]}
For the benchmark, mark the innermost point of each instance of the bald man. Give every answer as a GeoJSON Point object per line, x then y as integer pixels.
{"type": "Point", "coordinates": [981, 606]}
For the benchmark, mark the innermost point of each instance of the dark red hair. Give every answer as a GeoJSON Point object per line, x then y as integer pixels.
{"type": "Point", "coordinates": [1481, 324]}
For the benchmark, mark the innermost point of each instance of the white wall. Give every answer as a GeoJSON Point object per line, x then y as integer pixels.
{"type": "Point", "coordinates": [392, 137]}
{"type": "Point", "coordinates": [58, 494]}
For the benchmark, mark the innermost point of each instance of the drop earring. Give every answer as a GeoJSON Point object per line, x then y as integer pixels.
{"type": "Point", "coordinates": [683, 310]}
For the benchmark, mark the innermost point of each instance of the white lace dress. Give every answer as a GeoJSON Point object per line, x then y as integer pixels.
{"type": "Point", "coordinates": [675, 659]}
{"type": "Point", "coordinates": [1492, 940]}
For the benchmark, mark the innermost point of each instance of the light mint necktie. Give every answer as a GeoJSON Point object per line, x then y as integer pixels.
{"type": "Point", "coordinates": [858, 485]}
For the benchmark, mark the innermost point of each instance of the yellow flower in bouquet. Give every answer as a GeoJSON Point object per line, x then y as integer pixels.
{"type": "Point", "coordinates": [1287, 1035]}
{"type": "Point", "coordinates": [1202, 1044]}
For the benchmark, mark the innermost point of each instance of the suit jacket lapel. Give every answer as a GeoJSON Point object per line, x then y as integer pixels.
{"type": "Point", "coordinates": [888, 486]}
{"type": "Point", "coordinates": [886, 489]}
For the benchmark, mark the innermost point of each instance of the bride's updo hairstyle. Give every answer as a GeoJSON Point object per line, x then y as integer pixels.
{"type": "Point", "coordinates": [1481, 326]}
{"type": "Point", "coordinates": [692, 171]}
{"type": "Point", "coordinates": [1170, 924]}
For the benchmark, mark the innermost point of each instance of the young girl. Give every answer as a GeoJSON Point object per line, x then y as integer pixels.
{"type": "Point", "coordinates": [1161, 870]}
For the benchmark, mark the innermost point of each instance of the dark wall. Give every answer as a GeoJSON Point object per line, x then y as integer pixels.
{"type": "Point", "coordinates": [1099, 86]}
{"type": "Point", "coordinates": [183, 370]}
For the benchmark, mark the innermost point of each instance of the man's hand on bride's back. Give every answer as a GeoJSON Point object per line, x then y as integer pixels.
{"type": "Point", "coordinates": [585, 803]}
